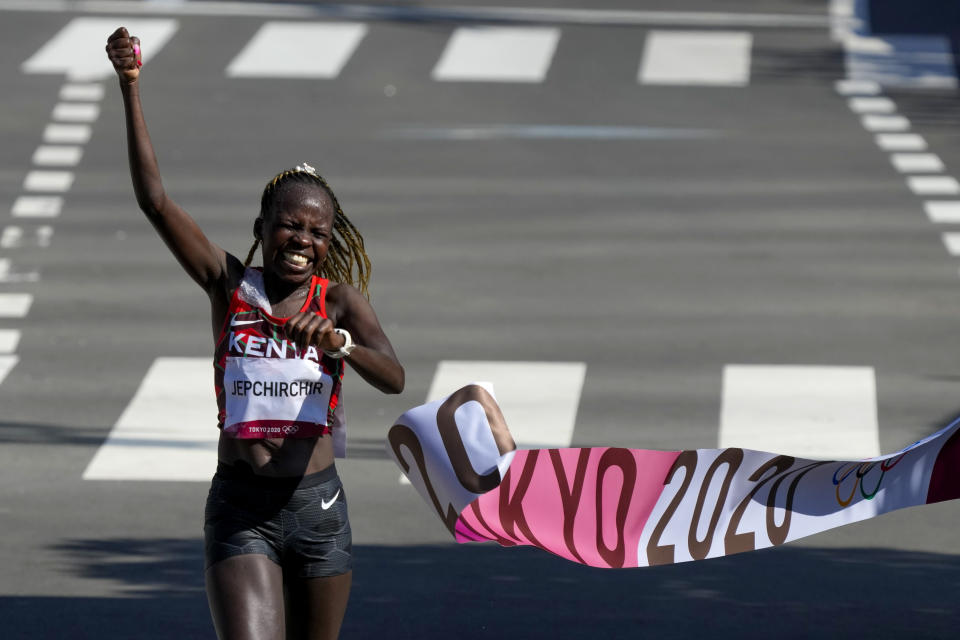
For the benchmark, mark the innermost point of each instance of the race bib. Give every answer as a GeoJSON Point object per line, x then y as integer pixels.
{"type": "Point", "coordinates": [276, 398]}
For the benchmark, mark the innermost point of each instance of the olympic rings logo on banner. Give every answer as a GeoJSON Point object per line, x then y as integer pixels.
{"type": "Point", "coordinates": [290, 429]}
{"type": "Point", "coordinates": [860, 470]}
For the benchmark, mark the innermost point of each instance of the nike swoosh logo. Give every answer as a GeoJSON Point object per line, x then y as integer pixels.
{"type": "Point", "coordinates": [235, 322]}
{"type": "Point", "coordinates": [326, 505]}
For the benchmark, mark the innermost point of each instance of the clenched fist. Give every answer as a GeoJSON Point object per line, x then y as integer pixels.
{"type": "Point", "coordinates": [124, 52]}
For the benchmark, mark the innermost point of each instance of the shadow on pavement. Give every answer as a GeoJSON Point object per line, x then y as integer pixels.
{"type": "Point", "coordinates": [480, 591]}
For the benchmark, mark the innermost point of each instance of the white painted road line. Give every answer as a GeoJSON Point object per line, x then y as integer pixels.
{"type": "Point", "coordinates": [943, 211]}
{"type": "Point", "coordinates": [297, 50]}
{"type": "Point", "coordinates": [57, 156]}
{"type": "Point", "coordinates": [76, 112]}
{"type": "Point", "coordinates": [885, 123]}
{"type": "Point", "coordinates": [539, 400]}
{"type": "Point", "coordinates": [11, 237]}
{"type": "Point", "coordinates": [901, 142]}
{"type": "Point", "coordinates": [872, 105]}
{"type": "Point", "coordinates": [37, 206]}
{"type": "Point", "coordinates": [56, 181]}
{"type": "Point", "coordinates": [44, 235]}
{"type": "Point", "coordinates": [712, 58]}
{"type": "Point", "coordinates": [917, 162]}
{"type": "Point", "coordinates": [951, 240]}
{"type": "Point", "coordinates": [77, 50]}
{"type": "Point", "coordinates": [9, 339]}
{"type": "Point", "coordinates": [88, 91]}
{"type": "Point", "coordinates": [809, 412]}
{"type": "Point", "coordinates": [857, 87]}
{"type": "Point", "coordinates": [168, 431]}
{"type": "Point", "coordinates": [497, 54]}
{"type": "Point", "coordinates": [15, 305]}
{"type": "Point", "coordinates": [7, 277]}
{"type": "Point", "coordinates": [7, 363]}
{"type": "Point", "coordinates": [933, 185]}
{"type": "Point", "coordinates": [67, 133]}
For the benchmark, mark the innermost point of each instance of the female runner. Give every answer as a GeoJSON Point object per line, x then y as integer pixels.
{"type": "Point", "coordinates": [278, 544]}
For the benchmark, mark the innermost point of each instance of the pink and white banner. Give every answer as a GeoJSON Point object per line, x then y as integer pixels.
{"type": "Point", "coordinates": [611, 507]}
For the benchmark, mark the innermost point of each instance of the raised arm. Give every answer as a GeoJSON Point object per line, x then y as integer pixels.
{"type": "Point", "coordinates": [204, 261]}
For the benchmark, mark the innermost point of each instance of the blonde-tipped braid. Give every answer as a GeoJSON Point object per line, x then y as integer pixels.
{"type": "Point", "coordinates": [347, 260]}
{"type": "Point", "coordinates": [253, 250]}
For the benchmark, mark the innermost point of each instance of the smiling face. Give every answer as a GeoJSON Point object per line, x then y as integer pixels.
{"type": "Point", "coordinates": [295, 232]}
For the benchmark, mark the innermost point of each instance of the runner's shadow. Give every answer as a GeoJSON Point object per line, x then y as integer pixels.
{"type": "Point", "coordinates": [154, 588]}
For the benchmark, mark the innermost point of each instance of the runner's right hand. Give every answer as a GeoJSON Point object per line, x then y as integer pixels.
{"type": "Point", "coordinates": [124, 52]}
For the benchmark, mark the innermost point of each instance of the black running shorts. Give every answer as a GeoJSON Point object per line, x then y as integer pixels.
{"type": "Point", "coordinates": [299, 523]}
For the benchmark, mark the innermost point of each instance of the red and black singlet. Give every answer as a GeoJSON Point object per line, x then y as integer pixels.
{"type": "Point", "coordinates": [266, 387]}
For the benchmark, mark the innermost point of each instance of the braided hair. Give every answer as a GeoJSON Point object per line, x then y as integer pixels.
{"type": "Point", "coordinates": [346, 254]}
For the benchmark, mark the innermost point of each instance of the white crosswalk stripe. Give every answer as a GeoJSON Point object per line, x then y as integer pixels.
{"type": "Point", "coordinates": [719, 58]}
{"type": "Point", "coordinates": [901, 142]}
{"type": "Point", "coordinates": [917, 162]}
{"type": "Point", "coordinates": [7, 363]}
{"type": "Point", "coordinates": [497, 54]}
{"type": "Point", "coordinates": [933, 185]}
{"type": "Point", "coordinates": [539, 400]}
{"type": "Point", "coordinates": [951, 240]}
{"type": "Point", "coordinates": [56, 155]}
{"type": "Point", "coordinates": [809, 412]}
{"type": "Point", "coordinates": [37, 206]}
{"type": "Point", "coordinates": [67, 133]}
{"type": "Point", "coordinates": [9, 339]}
{"type": "Point", "coordinates": [943, 211]}
{"type": "Point", "coordinates": [77, 50]}
{"type": "Point", "coordinates": [168, 431]}
{"type": "Point", "coordinates": [15, 305]}
{"type": "Point", "coordinates": [55, 181]}
{"type": "Point", "coordinates": [297, 50]}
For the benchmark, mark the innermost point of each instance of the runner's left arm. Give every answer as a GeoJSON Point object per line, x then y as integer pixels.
{"type": "Point", "coordinates": [373, 358]}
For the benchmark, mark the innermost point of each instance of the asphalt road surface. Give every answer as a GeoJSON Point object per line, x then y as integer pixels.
{"type": "Point", "coordinates": [657, 231]}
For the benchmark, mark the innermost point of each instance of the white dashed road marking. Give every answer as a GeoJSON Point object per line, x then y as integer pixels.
{"type": "Point", "coordinates": [37, 207]}
{"type": "Point", "coordinates": [885, 123]}
{"type": "Point", "coordinates": [91, 92]}
{"type": "Point", "coordinates": [943, 211]}
{"type": "Point", "coordinates": [67, 134]}
{"type": "Point", "coordinates": [901, 142]}
{"type": "Point", "coordinates": [917, 162]}
{"type": "Point", "coordinates": [7, 363]}
{"type": "Point", "coordinates": [76, 112]}
{"type": "Point", "coordinates": [54, 156]}
{"type": "Point", "coordinates": [15, 305]}
{"type": "Point", "coordinates": [55, 181]}
{"type": "Point", "coordinates": [933, 185]}
{"type": "Point", "coordinates": [872, 105]}
{"type": "Point", "coordinates": [951, 240]}
{"type": "Point", "coordinates": [847, 87]}
{"type": "Point", "coordinates": [9, 339]}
